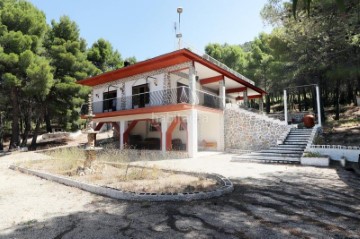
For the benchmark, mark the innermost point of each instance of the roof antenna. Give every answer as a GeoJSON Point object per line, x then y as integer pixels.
{"type": "Point", "coordinates": [179, 35]}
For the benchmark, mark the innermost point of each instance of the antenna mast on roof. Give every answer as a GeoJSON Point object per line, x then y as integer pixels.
{"type": "Point", "coordinates": [179, 35]}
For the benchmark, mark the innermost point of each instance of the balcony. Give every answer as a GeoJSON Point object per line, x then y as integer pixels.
{"type": "Point", "coordinates": [180, 95]}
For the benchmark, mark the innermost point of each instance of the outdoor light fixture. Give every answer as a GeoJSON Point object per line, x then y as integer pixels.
{"type": "Point", "coordinates": [179, 35]}
{"type": "Point", "coordinates": [155, 80]}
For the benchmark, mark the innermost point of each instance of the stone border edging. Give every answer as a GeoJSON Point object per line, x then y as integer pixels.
{"type": "Point", "coordinates": [227, 187]}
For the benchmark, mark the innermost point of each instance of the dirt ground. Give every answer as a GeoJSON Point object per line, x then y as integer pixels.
{"type": "Point", "coordinates": [269, 201]}
{"type": "Point", "coordinates": [346, 131]}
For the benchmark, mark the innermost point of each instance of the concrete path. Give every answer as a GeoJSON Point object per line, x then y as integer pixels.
{"type": "Point", "coordinates": [269, 201]}
{"type": "Point", "coordinates": [220, 163]}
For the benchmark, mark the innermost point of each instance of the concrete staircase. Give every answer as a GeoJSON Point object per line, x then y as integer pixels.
{"type": "Point", "coordinates": [289, 151]}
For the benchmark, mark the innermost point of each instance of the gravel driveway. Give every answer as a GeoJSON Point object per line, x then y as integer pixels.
{"type": "Point", "coordinates": [269, 201]}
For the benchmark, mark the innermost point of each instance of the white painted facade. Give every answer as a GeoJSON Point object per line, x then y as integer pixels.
{"type": "Point", "coordinates": [203, 91]}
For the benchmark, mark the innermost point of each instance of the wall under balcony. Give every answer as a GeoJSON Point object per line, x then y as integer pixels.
{"type": "Point", "coordinates": [246, 130]}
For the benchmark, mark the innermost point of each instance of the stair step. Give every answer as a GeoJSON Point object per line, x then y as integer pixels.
{"type": "Point", "coordinates": [288, 147]}
{"type": "Point", "coordinates": [266, 160]}
{"type": "Point", "coordinates": [291, 140]}
{"type": "Point", "coordinates": [294, 143]}
{"type": "Point", "coordinates": [277, 155]}
{"type": "Point", "coordinates": [297, 150]}
{"type": "Point", "coordinates": [283, 151]}
{"type": "Point", "coordinates": [305, 135]}
{"type": "Point", "coordinates": [298, 136]}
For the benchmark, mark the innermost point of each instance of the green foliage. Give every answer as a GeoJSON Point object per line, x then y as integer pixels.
{"type": "Point", "coordinates": [69, 60]}
{"type": "Point", "coordinates": [102, 55]}
{"type": "Point", "coordinates": [131, 60]}
{"type": "Point", "coordinates": [25, 74]}
{"type": "Point", "coordinates": [231, 55]}
{"type": "Point", "coordinates": [313, 155]}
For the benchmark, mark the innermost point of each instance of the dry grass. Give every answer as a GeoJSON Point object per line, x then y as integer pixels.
{"type": "Point", "coordinates": [113, 169]}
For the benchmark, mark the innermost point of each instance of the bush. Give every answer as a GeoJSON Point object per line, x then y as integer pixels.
{"type": "Point", "coordinates": [312, 154]}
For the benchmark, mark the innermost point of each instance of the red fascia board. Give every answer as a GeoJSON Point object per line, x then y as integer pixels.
{"type": "Point", "coordinates": [221, 71]}
{"type": "Point", "coordinates": [249, 97]}
{"type": "Point", "coordinates": [162, 61]}
{"type": "Point", "coordinates": [211, 80]}
{"type": "Point", "coordinates": [156, 63]}
{"type": "Point", "coordinates": [236, 90]}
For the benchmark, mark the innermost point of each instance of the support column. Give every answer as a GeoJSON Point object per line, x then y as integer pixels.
{"type": "Point", "coordinates": [193, 133]}
{"type": "Point", "coordinates": [192, 85]}
{"type": "Point", "coordinates": [245, 98]}
{"type": "Point", "coordinates": [163, 134]}
{"type": "Point", "coordinates": [285, 107]}
{"type": "Point", "coordinates": [261, 103]}
{"type": "Point", "coordinates": [318, 105]}
{"type": "Point", "coordinates": [222, 93]}
{"type": "Point", "coordinates": [123, 125]}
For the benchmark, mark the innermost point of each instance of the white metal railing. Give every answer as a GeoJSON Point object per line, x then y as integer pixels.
{"type": "Point", "coordinates": [177, 95]}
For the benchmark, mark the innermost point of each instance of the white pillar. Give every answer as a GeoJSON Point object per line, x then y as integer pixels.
{"type": "Point", "coordinates": [245, 99]}
{"type": "Point", "coordinates": [123, 127]}
{"type": "Point", "coordinates": [261, 103]}
{"type": "Point", "coordinates": [163, 133]}
{"type": "Point", "coordinates": [318, 105]}
{"type": "Point", "coordinates": [192, 133]}
{"type": "Point", "coordinates": [192, 85]}
{"type": "Point", "coordinates": [285, 107]}
{"type": "Point", "coordinates": [222, 93]}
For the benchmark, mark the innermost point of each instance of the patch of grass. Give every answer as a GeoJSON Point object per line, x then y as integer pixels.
{"type": "Point", "coordinates": [342, 123]}
{"type": "Point", "coordinates": [312, 154]}
{"type": "Point", "coordinates": [318, 140]}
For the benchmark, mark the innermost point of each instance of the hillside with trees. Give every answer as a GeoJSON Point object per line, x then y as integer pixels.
{"type": "Point", "coordinates": [39, 68]}
{"type": "Point", "coordinates": [317, 42]}
{"type": "Point", "coordinates": [312, 42]}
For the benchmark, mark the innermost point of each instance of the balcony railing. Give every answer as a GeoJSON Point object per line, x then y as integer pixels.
{"type": "Point", "coordinates": [156, 98]}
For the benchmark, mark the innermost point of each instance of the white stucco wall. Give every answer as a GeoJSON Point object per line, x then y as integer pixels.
{"type": "Point", "coordinates": [209, 128]}
{"type": "Point", "coordinates": [141, 128]}
{"type": "Point", "coordinates": [335, 152]}
{"type": "Point", "coordinates": [177, 134]}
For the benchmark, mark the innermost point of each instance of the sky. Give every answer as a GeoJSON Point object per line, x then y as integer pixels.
{"type": "Point", "coordinates": [145, 28]}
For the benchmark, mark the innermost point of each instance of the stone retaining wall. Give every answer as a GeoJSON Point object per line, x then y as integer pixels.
{"type": "Point", "coordinates": [225, 186]}
{"type": "Point", "coordinates": [246, 130]}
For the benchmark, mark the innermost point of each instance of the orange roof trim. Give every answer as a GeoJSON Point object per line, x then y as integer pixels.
{"type": "Point", "coordinates": [159, 62]}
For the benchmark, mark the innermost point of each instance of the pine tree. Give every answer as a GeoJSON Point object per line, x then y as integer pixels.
{"type": "Point", "coordinates": [69, 60]}
{"type": "Point", "coordinates": [25, 73]}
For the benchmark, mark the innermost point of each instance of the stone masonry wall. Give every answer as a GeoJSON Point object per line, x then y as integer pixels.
{"type": "Point", "coordinates": [246, 130]}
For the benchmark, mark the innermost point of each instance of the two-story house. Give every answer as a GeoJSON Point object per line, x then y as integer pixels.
{"type": "Point", "coordinates": [171, 102]}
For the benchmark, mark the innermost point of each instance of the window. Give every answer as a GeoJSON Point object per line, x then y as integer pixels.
{"type": "Point", "coordinates": [109, 103]}
{"type": "Point", "coordinates": [140, 96]}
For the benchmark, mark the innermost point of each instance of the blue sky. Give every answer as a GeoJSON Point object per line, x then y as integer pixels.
{"type": "Point", "coordinates": [145, 28]}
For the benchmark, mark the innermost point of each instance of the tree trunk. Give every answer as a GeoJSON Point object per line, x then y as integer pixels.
{"type": "Point", "coordinates": [337, 98]}
{"type": "Point", "coordinates": [27, 129]}
{"type": "Point", "coordinates": [36, 132]}
{"type": "Point", "coordinates": [299, 101]}
{"type": "Point", "coordinates": [350, 93]}
{"type": "Point", "coordinates": [1, 133]}
{"type": "Point", "coordinates": [305, 100]}
{"type": "Point", "coordinates": [267, 103]}
{"type": "Point", "coordinates": [14, 141]}
{"type": "Point", "coordinates": [47, 121]}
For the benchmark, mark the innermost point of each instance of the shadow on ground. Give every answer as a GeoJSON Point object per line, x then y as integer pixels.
{"type": "Point", "coordinates": [299, 204]}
